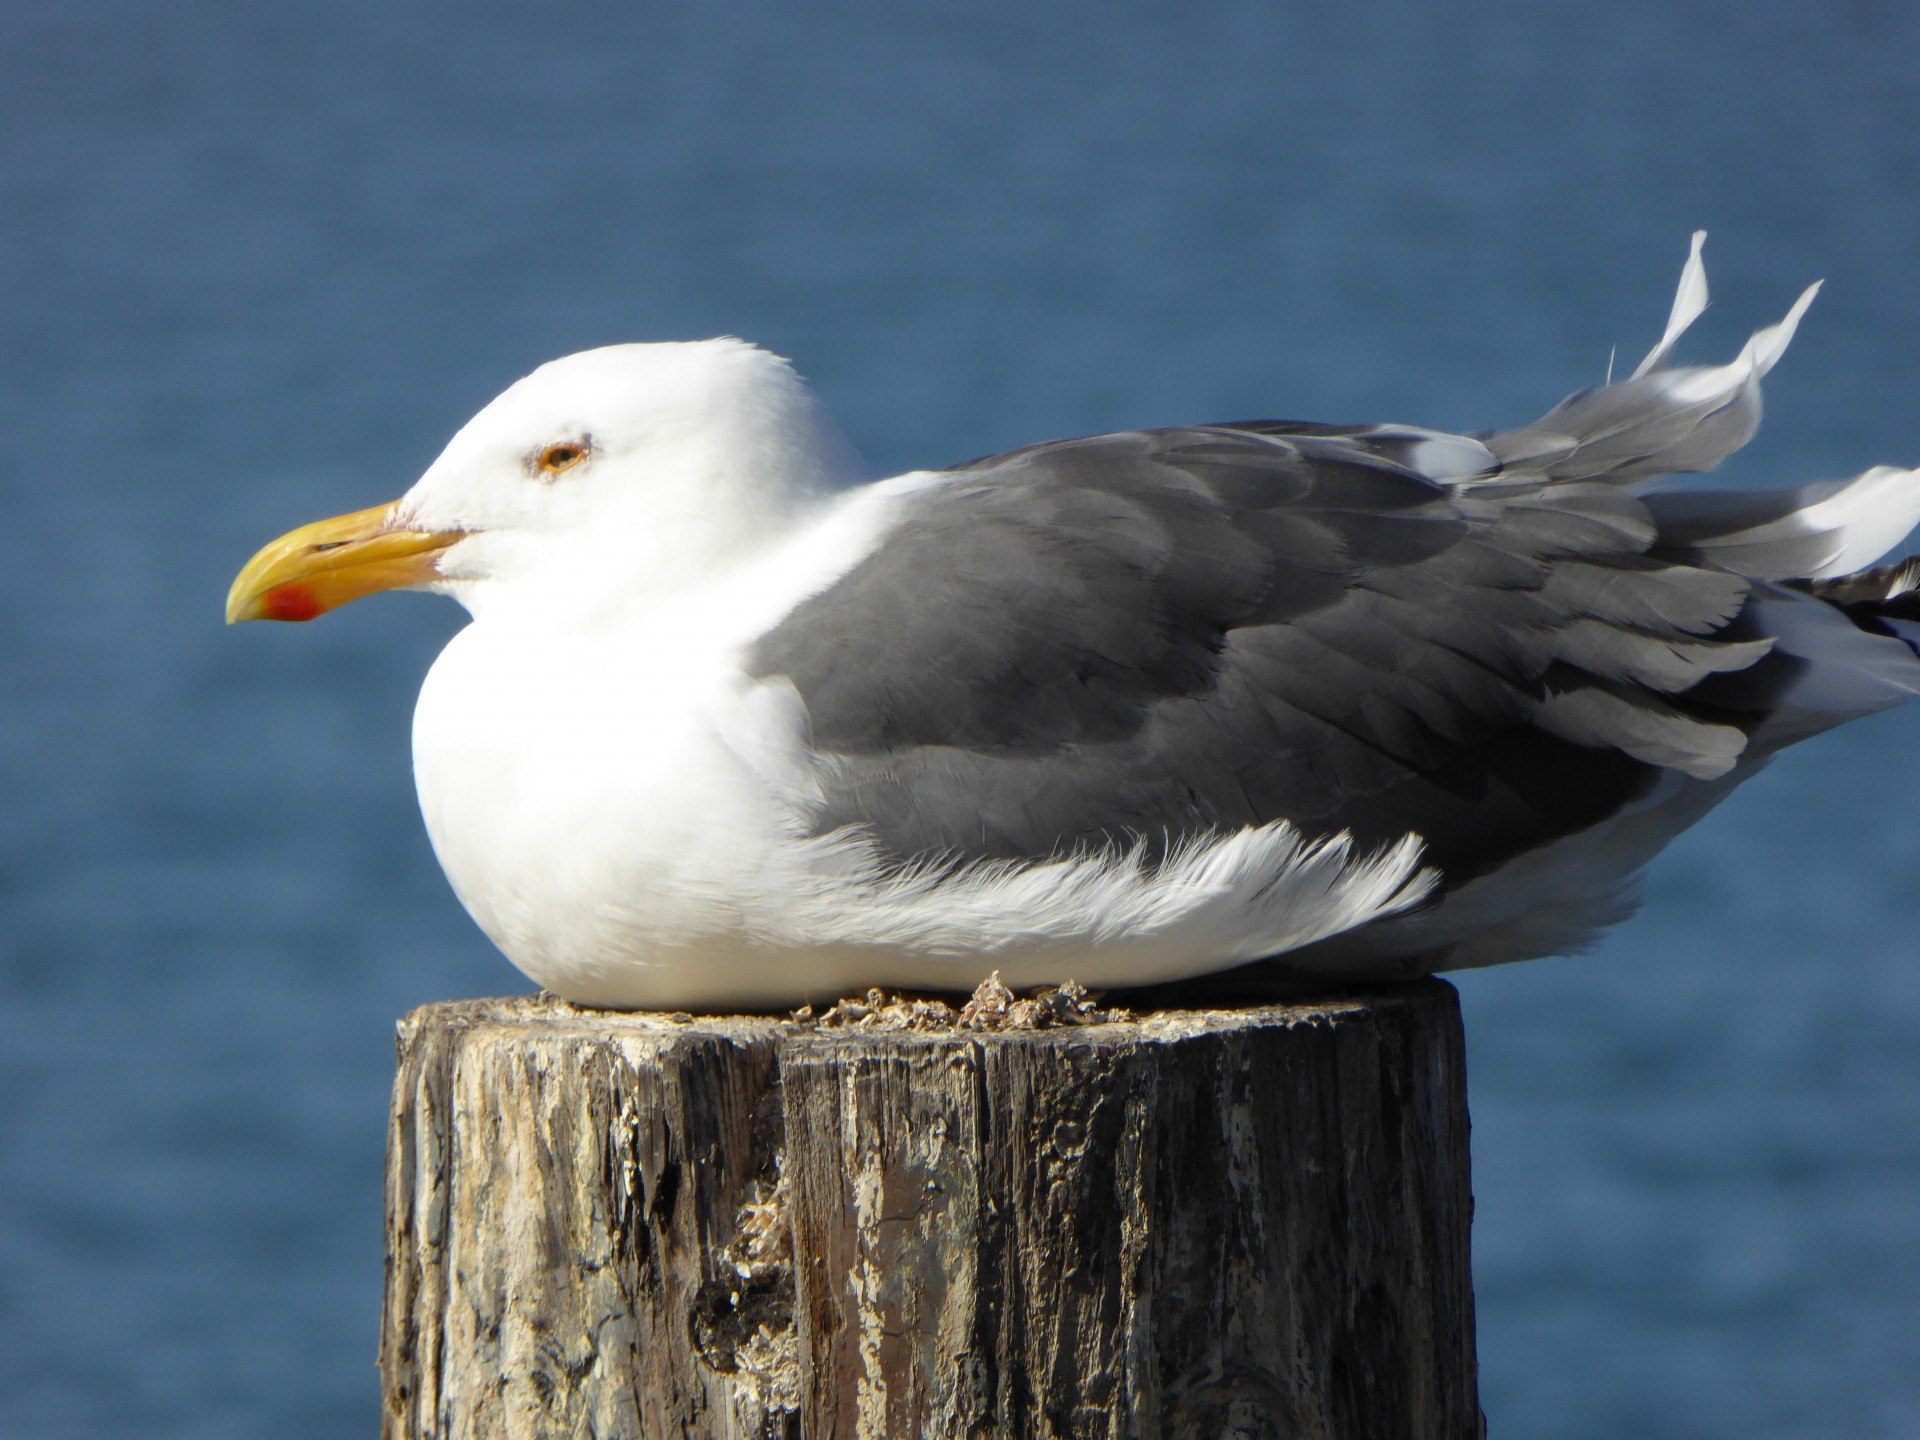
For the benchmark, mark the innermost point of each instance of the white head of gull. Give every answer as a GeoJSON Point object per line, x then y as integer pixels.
{"type": "Point", "coordinates": [736, 724]}
{"type": "Point", "coordinates": [613, 480]}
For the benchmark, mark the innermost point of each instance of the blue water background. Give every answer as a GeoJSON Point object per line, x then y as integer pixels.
{"type": "Point", "coordinates": [258, 261]}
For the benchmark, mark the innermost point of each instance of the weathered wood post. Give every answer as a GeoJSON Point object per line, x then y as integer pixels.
{"type": "Point", "coordinates": [1194, 1224]}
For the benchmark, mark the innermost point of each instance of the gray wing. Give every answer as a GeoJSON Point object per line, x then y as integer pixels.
{"type": "Point", "coordinates": [1142, 637]}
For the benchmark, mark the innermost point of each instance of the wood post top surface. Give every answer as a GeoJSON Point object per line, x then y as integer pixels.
{"type": "Point", "coordinates": [545, 1016]}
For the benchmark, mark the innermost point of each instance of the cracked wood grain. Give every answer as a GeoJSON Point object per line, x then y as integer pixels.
{"type": "Point", "coordinates": [1248, 1223]}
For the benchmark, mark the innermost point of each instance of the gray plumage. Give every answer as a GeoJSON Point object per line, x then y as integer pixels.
{"type": "Point", "coordinates": [1133, 638]}
{"type": "Point", "coordinates": [1507, 645]}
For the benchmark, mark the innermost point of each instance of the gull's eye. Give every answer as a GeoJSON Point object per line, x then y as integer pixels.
{"type": "Point", "coordinates": [559, 458]}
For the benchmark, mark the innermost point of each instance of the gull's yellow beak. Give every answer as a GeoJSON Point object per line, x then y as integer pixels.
{"type": "Point", "coordinates": [318, 567]}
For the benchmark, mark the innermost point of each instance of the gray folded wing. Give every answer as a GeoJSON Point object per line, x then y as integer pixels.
{"type": "Point", "coordinates": [1146, 637]}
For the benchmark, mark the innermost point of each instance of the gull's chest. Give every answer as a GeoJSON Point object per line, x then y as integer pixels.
{"type": "Point", "coordinates": [583, 804]}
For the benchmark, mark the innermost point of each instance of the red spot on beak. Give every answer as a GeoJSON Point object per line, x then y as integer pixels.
{"type": "Point", "coordinates": [290, 602]}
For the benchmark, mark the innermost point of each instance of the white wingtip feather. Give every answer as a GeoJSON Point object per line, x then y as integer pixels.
{"type": "Point", "coordinates": [1766, 347]}
{"type": "Point", "coordinates": [1868, 516]}
{"type": "Point", "coordinates": [1738, 381]}
{"type": "Point", "coordinates": [1688, 303]}
{"type": "Point", "coordinates": [1662, 419]}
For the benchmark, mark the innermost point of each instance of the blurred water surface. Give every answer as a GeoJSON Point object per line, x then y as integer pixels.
{"type": "Point", "coordinates": [260, 260]}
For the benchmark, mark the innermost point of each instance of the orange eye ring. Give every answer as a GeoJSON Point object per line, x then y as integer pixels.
{"type": "Point", "coordinates": [560, 457]}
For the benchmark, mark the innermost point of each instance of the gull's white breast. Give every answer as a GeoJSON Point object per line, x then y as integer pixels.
{"type": "Point", "coordinates": [588, 812]}
{"type": "Point", "coordinates": [617, 804]}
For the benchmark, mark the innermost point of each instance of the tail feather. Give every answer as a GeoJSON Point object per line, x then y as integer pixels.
{"type": "Point", "coordinates": [1665, 421]}
{"type": "Point", "coordinates": [1660, 421]}
{"type": "Point", "coordinates": [1810, 532]}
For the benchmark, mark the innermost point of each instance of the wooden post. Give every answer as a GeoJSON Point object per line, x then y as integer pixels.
{"type": "Point", "coordinates": [1197, 1224]}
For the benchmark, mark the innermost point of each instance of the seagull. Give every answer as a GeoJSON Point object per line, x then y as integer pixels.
{"type": "Point", "coordinates": [737, 724]}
